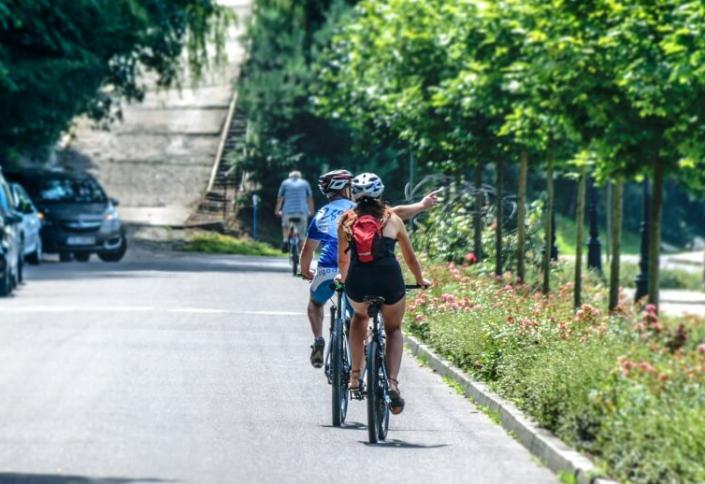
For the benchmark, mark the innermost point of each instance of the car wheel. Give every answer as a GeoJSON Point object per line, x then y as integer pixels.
{"type": "Point", "coordinates": [82, 256]}
{"type": "Point", "coordinates": [116, 255]}
{"type": "Point", "coordinates": [65, 256]}
{"type": "Point", "coordinates": [5, 282]}
{"type": "Point", "coordinates": [35, 258]}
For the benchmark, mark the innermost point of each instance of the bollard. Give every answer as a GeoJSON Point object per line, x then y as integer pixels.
{"type": "Point", "coordinates": [255, 206]}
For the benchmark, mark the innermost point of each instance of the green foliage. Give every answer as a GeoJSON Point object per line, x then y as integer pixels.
{"type": "Point", "coordinates": [62, 58]}
{"type": "Point", "coordinates": [213, 243]}
{"type": "Point", "coordinates": [447, 234]}
{"type": "Point", "coordinates": [277, 93]}
{"type": "Point", "coordinates": [628, 388]}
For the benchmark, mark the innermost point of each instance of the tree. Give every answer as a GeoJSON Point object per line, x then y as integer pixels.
{"type": "Point", "coordinates": [63, 58]}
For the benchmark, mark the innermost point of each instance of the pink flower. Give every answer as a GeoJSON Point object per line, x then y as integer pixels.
{"type": "Point", "coordinates": [420, 318]}
{"type": "Point", "coordinates": [470, 258]}
{"type": "Point", "coordinates": [701, 348]}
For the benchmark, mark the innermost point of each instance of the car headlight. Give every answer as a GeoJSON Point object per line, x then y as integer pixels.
{"type": "Point", "coordinates": [111, 221]}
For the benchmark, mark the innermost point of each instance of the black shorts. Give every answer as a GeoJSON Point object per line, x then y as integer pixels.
{"type": "Point", "coordinates": [378, 280]}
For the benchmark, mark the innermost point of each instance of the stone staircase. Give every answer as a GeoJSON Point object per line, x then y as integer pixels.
{"type": "Point", "coordinates": [218, 206]}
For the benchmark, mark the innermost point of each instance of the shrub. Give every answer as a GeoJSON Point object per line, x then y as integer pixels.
{"type": "Point", "coordinates": [627, 388]}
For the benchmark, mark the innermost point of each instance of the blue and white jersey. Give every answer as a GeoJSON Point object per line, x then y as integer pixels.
{"type": "Point", "coordinates": [324, 228]}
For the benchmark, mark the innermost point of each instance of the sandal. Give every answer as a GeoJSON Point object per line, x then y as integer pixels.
{"type": "Point", "coordinates": [396, 403]}
{"type": "Point", "coordinates": [356, 392]}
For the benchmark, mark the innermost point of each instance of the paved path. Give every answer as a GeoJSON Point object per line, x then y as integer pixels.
{"type": "Point", "coordinates": [187, 368]}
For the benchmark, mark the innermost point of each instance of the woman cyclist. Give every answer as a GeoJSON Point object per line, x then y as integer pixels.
{"type": "Point", "coordinates": [375, 272]}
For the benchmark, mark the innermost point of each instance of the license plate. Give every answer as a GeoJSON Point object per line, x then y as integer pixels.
{"type": "Point", "coordinates": [80, 240]}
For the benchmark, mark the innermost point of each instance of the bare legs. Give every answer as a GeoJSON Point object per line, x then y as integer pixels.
{"type": "Point", "coordinates": [315, 317]}
{"type": "Point", "coordinates": [392, 315]}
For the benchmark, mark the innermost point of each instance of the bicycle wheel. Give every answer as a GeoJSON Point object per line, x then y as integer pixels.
{"type": "Point", "coordinates": [338, 375]}
{"type": "Point", "coordinates": [377, 411]}
{"type": "Point", "coordinates": [294, 246]}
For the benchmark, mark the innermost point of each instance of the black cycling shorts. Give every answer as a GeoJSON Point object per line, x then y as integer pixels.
{"type": "Point", "coordinates": [374, 279]}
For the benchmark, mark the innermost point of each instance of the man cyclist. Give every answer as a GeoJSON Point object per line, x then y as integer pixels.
{"type": "Point", "coordinates": [294, 203]}
{"type": "Point", "coordinates": [323, 231]}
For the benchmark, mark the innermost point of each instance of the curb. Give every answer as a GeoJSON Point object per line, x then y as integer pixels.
{"type": "Point", "coordinates": [557, 456]}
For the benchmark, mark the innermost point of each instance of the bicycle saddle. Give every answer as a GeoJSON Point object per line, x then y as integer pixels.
{"type": "Point", "coordinates": [294, 219]}
{"type": "Point", "coordinates": [374, 300]}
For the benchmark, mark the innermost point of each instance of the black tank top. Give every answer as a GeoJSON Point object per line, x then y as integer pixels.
{"type": "Point", "coordinates": [388, 258]}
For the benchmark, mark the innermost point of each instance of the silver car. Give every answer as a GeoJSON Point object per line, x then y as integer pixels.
{"type": "Point", "coordinates": [31, 225]}
{"type": "Point", "coordinates": [11, 258]}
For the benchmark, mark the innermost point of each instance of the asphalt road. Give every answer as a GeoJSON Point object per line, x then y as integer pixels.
{"type": "Point", "coordinates": [185, 368]}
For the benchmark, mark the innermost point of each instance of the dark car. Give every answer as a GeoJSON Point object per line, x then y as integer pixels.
{"type": "Point", "coordinates": [78, 217]}
{"type": "Point", "coordinates": [11, 251]}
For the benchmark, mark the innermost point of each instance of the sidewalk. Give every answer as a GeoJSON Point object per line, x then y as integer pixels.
{"type": "Point", "coordinates": [678, 302]}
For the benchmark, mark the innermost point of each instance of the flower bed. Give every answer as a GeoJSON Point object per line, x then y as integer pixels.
{"type": "Point", "coordinates": [629, 389]}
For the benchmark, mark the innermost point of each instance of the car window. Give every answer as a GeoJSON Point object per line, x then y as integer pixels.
{"type": "Point", "coordinates": [66, 189]}
{"type": "Point", "coordinates": [22, 199]}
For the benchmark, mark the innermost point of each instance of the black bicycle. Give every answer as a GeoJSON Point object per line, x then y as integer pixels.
{"type": "Point", "coordinates": [294, 243]}
{"type": "Point", "coordinates": [337, 364]}
{"type": "Point", "coordinates": [377, 384]}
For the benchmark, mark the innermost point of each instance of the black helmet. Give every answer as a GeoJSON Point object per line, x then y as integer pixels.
{"type": "Point", "coordinates": [334, 181]}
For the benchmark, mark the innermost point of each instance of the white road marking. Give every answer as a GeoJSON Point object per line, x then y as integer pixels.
{"type": "Point", "coordinates": [128, 309]}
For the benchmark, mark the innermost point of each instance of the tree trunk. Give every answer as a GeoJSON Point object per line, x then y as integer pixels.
{"type": "Point", "coordinates": [608, 218]}
{"type": "Point", "coordinates": [655, 235]}
{"type": "Point", "coordinates": [499, 182]}
{"type": "Point", "coordinates": [548, 230]}
{"type": "Point", "coordinates": [521, 217]}
{"type": "Point", "coordinates": [580, 222]}
{"type": "Point", "coordinates": [616, 240]}
{"type": "Point", "coordinates": [477, 215]}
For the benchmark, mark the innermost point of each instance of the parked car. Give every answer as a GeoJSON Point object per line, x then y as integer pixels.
{"type": "Point", "coordinates": [10, 241]}
{"type": "Point", "coordinates": [31, 225]}
{"type": "Point", "coordinates": [79, 219]}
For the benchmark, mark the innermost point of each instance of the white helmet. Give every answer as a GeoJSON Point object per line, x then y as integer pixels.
{"type": "Point", "coordinates": [366, 185]}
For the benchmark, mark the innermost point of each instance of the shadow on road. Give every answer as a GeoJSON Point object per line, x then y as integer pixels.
{"type": "Point", "coordinates": [16, 478]}
{"type": "Point", "coordinates": [51, 270]}
{"type": "Point", "coordinates": [400, 444]}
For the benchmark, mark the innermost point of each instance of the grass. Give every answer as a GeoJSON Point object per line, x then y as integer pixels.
{"type": "Point", "coordinates": [214, 243]}
{"type": "Point", "coordinates": [565, 237]}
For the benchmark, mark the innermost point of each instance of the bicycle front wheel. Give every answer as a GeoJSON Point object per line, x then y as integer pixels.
{"type": "Point", "coordinates": [377, 411]}
{"type": "Point", "coordinates": [338, 375]}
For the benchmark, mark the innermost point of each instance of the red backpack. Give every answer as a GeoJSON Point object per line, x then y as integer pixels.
{"type": "Point", "coordinates": [366, 242]}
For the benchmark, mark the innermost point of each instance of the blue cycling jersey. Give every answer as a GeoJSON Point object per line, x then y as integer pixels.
{"type": "Point", "coordinates": [324, 228]}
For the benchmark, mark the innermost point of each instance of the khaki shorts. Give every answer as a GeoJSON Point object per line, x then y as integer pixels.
{"type": "Point", "coordinates": [301, 225]}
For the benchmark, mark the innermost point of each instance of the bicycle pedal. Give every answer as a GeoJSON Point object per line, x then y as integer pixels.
{"type": "Point", "coordinates": [357, 394]}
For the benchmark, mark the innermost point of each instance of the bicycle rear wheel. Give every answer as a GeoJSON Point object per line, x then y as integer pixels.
{"type": "Point", "coordinates": [377, 411]}
{"type": "Point", "coordinates": [294, 247]}
{"type": "Point", "coordinates": [339, 385]}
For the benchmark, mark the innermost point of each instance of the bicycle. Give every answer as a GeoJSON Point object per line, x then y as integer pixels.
{"type": "Point", "coordinates": [337, 362]}
{"type": "Point", "coordinates": [294, 242]}
{"type": "Point", "coordinates": [377, 381]}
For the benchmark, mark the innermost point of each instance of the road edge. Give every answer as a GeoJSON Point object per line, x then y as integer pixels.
{"type": "Point", "coordinates": [556, 454]}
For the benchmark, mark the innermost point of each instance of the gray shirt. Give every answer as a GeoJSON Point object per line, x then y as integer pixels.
{"type": "Point", "coordinates": [295, 192]}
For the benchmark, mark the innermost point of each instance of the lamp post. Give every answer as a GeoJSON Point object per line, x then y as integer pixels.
{"type": "Point", "coordinates": [594, 245]}
{"type": "Point", "coordinates": [642, 280]}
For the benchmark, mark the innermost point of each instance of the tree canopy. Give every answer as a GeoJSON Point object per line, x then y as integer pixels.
{"type": "Point", "coordinates": [63, 58]}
